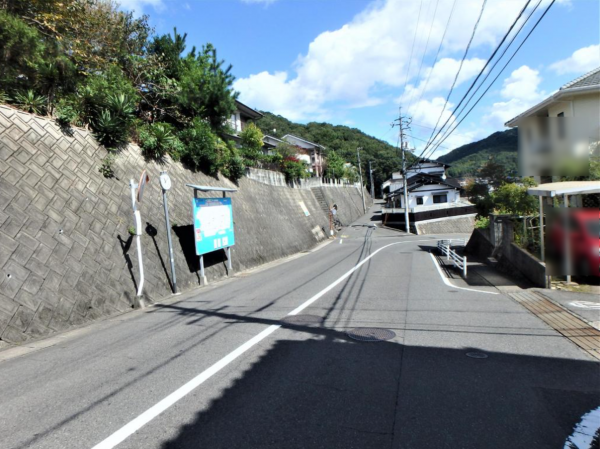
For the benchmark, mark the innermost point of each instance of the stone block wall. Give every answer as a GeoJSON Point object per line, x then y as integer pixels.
{"type": "Point", "coordinates": [66, 257]}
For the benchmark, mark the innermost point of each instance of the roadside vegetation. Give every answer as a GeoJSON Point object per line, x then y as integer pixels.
{"type": "Point", "coordinates": [91, 65]}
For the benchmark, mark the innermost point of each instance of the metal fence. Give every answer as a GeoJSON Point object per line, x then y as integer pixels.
{"type": "Point", "coordinates": [445, 248]}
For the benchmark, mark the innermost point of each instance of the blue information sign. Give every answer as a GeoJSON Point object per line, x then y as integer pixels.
{"type": "Point", "coordinates": [213, 224]}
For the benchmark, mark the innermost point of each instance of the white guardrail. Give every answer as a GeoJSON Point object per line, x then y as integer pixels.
{"type": "Point", "coordinates": [445, 248]}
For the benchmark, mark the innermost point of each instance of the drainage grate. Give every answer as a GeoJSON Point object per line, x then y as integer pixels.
{"type": "Point", "coordinates": [477, 355]}
{"type": "Point", "coordinates": [370, 334]}
{"type": "Point", "coordinates": [304, 320]}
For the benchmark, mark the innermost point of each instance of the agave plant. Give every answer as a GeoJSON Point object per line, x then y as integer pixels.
{"type": "Point", "coordinates": [4, 98]}
{"type": "Point", "coordinates": [31, 102]}
{"type": "Point", "coordinates": [157, 140]}
{"type": "Point", "coordinates": [121, 105]}
{"type": "Point", "coordinates": [110, 130]}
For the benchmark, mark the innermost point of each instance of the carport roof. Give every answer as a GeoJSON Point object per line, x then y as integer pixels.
{"type": "Point", "coordinates": [565, 188]}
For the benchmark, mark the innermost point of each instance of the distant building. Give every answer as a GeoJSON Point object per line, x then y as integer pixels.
{"type": "Point", "coordinates": [309, 152]}
{"type": "Point", "coordinates": [560, 131]}
{"type": "Point", "coordinates": [432, 197]}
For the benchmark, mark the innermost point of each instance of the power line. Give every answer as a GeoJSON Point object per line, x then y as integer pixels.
{"type": "Point", "coordinates": [435, 59]}
{"type": "Point", "coordinates": [460, 66]}
{"type": "Point", "coordinates": [425, 50]}
{"type": "Point", "coordinates": [485, 66]}
{"type": "Point", "coordinates": [497, 76]}
{"type": "Point", "coordinates": [457, 114]}
{"type": "Point", "coordinates": [413, 46]}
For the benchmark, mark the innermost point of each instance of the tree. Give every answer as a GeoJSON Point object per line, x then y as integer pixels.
{"type": "Point", "coordinates": [511, 198]}
{"type": "Point", "coordinates": [21, 50]}
{"type": "Point", "coordinates": [493, 171]}
{"type": "Point", "coordinates": [251, 144]}
{"type": "Point", "coordinates": [336, 166]}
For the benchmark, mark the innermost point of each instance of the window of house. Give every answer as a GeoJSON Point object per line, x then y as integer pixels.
{"type": "Point", "coordinates": [437, 199]}
{"type": "Point", "coordinates": [419, 201]}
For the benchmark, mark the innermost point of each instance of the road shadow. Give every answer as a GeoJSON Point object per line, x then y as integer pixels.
{"type": "Point", "coordinates": [334, 392]}
{"type": "Point", "coordinates": [153, 232]}
{"type": "Point", "coordinates": [185, 235]}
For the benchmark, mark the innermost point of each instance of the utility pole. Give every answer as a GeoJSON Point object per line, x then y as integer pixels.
{"type": "Point", "coordinates": [403, 123]}
{"type": "Point", "coordinates": [372, 185]}
{"type": "Point", "coordinates": [362, 193]}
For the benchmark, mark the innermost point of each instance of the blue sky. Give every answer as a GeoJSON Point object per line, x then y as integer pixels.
{"type": "Point", "coordinates": [354, 62]}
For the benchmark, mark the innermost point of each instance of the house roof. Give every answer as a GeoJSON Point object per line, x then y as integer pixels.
{"type": "Point", "coordinates": [423, 179]}
{"type": "Point", "coordinates": [429, 161]}
{"type": "Point", "coordinates": [247, 110]}
{"type": "Point", "coordinates": [303, 140]}
{"type": "Point", "coordinates": [552, 189]}
{"type": "Point", "coordinates": [590, 82]}
{"type": "Point", "coordinates": [589, 79]}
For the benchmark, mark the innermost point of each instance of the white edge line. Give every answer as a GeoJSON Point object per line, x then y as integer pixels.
{"type": "Point", "coordinates": [449, 284]}
{"type": "Point", "coordinates": [341, 240]}
{"type": "Point", "coordinates": [147, 416]}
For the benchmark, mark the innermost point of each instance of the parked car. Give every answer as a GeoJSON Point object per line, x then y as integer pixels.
{"type": "Point", "coordinates": [583, 227]}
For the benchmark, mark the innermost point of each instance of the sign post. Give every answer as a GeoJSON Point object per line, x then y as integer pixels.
{"type": "Point", "coordinates": [213, 224]}
{"type": "Point", "coordinates": [138, 223]}
{"type": "Point", "coordinates": [165, 184]}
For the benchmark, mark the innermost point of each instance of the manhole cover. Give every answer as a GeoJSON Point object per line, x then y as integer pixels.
{"type": "Point", "coordinates": [477, 355]}
{"type": "Point", "coordinates": [370, 334]}
{"type": "Point", "coordinates": [304, 320]}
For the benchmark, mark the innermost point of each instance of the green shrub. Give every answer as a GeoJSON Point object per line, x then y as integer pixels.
{"type": "Point", "coordinates": [66, 115]}
{"type": "Point", "coordinates": [113, 124]}
{"type": "Point", "coordinates": [482, 222]}
{"type": "Point", "coordinates": [200, 147]}
{"type": "Point", "coordinates": [157, 140]}
{"type": "Point", "coordinates": [252, 142]}
{"type": "Point", "coordinates": [293, 169]}
{"type": "Point", "coordinates": [31, 102]}
{"type": "Point", "coordinates": [106, 167]}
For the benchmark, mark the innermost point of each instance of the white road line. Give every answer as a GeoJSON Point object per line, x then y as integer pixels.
{"type": "Point", "coordinates": [449, 284]}
{"type": "Point", "coordinates": [341, 240]}
{"type": "Point", "coordinates": [143, 419]}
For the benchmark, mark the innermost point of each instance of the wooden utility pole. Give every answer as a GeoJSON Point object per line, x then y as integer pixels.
{"type": "Point", "coordinates": [403, 123]}
{"type": "Point", "coordinates": [362, 192]}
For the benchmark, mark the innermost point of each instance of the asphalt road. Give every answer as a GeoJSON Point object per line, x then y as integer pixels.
{"type": "Point", "coordinates": [220, 369]}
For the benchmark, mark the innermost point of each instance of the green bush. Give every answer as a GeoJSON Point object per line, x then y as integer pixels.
{"type": "Point", "coordinates": [113, 124]}
{"type": "Point", "coordinates": [252, 142]}
{"type": "Point", "coordinates": [157, 140]}
{"type": "Point", "coordinates": [294, 168]}
{"type": "Point", "coordinates": [66, 115]}
{"type": "Point", "coordinates": [31, 102]}
{"type": "Point", "coordinates": [482, 222]}
{"type": "Point", "coordinates": [199, 144]}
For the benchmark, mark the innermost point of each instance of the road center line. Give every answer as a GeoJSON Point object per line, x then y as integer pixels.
{"type": "Point", "coordinates": [147, 416]}
{"type": "Point", "coordinates": [450, 284]}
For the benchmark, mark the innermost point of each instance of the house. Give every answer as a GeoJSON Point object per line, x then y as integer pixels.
{"type": "Point", "coordinates": [309, 152]}
{"type": "Point", "coordinates": [241, 118]}
{"type": "Point", "coordinates": [559, 134]}
{"type": "Point", "coordinates": [424, 166]}
{"type": "Point", "coordinates": [434, 201]}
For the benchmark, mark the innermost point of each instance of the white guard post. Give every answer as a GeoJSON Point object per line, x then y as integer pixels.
{"type": "Point", "coordinates": [138, 233]}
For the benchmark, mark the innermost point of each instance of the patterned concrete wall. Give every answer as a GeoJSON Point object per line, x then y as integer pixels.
{"type": "Point", "coordinates": [449, 225]}
{"type": "Point", "coordinates": [66, 256]}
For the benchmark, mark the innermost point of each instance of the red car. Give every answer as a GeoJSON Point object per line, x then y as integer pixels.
{"type": "Point", "coordinates": [584, 241]}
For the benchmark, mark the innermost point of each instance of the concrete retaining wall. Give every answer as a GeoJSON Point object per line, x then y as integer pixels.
{"type": "Point", "coordinates": [66, 257]}
{"type": "Point", "coordinates": [447, 225]}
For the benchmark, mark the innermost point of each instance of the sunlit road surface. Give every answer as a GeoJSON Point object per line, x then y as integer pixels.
{"type": "Point", "coordinates": [264, 360]}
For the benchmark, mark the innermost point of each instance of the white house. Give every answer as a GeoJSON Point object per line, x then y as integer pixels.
{"type": "Point", "coordinates": [309, 152]}
{"type": "Point", "coordinates": [241, 118]}
{"type": "Point", "coordinates": [434, 201]}
{"type": "Point", "coordinates": [424, 166]}
{"type": "Point", "coordinates": [561, 132]}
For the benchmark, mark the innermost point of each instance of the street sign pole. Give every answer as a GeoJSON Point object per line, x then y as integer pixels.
{"type": "Point", "coordinates": [165, 183]}
{"type": "Point", "coordinates": [138, 234]}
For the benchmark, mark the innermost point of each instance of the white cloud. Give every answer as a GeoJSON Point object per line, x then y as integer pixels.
{"type": "Point", "coordinates": [371, 53]}
{"type": "Point", "coordinates": [521, 91]}
{"type": "Point", "coordinates": [580, 62]}
{"type": "Point", "coordinates": [137, 6]}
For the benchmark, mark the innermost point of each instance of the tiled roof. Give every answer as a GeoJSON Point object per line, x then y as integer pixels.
{"type": "Point", "coordinates": [589, 79]}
